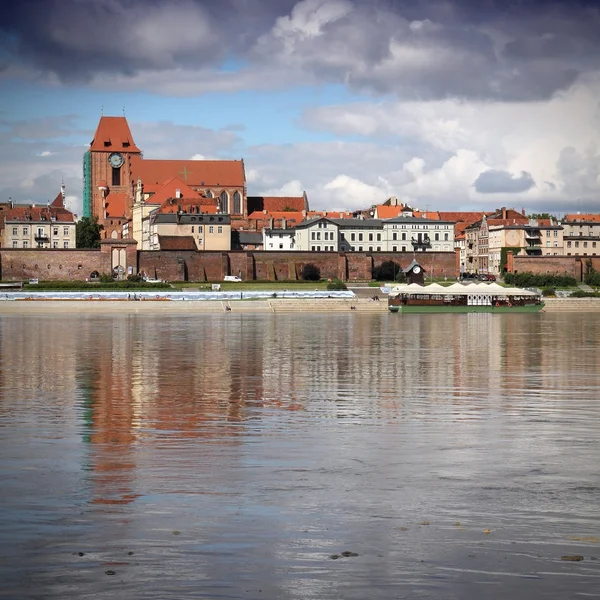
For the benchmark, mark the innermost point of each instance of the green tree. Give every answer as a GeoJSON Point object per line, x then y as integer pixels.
{"type": "Point", "coordinates": [310, 272]}
{"type": "Point", "coordinates": [389, 271]}
{"type": "Point", "coordinates": [540, 216]}
{"type": "Point", "coordinates": [88, 232]}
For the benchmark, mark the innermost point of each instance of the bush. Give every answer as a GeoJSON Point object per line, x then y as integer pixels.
{"type": "Point", "coordinates": [549, 291]}
{"type": "Point", "coordinates": [93, 286]}
{"type": "Point", "coordinates": [541, 281]}
{"type": "Point", "coordinates": [336, 284]}
{"type": "Point", "coordinates": [136, 278]}
{"type": "Point", "coordinates": [106, 278]}
{"type": "Point", "coordinates": [310, 272]}
{"type": "Point", "coordinates": [584, 294]}
{"type": "Point", "coordinates": [388, 271]}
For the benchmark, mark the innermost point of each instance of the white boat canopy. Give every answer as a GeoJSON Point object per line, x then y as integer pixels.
{"type": "Point", "coordinates": [459, 289]}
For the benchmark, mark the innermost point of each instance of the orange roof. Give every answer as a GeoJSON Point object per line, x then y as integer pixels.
{"type": "Point", "coordinates": [583, 218]}
{"type": "Point", "coordinates": [198, 204]}
{"type": "Point", "coordinates": [34, 214]}
{"type": "Point", "coordinates": [116, 205]}
{"type": "Point", "coordinates": [329, 214]}
{"type": "Point", "coordinates": [387, 212]}
{"type": "Point", "coordinates": [434, 216]}
{"type": "Point", "coordinates": [169, 190]}
{"type": "Point", "coordinates": [196, 173]}
{"type": "Point", "coordinates": [459, 229]}
{"type": "Point", "coordinates": [275, 203]}
{"type": "Point", "coordinates": [292, 217]}
{"type": "Point", "coordinates": [58, 202]}
{"type": "Point", "coordinates": [462, 217]}
{"type": "Point", "coordinates": [113, 135]}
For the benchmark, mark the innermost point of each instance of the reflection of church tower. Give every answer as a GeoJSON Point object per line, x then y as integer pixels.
{"type": "Point", "coordinates": [107, 174]}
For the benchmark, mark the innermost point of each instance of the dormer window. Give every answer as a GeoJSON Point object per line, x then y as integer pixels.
{"type": "Point", "coordinates": [107, 144]}
{"type": "Point", "coordinates": [126, 144]}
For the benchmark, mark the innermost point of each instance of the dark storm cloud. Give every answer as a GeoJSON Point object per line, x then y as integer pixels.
{"type": "Point", "coordinates": [413, 49]}
{"type": "Point", "coordinates": [497, 182]}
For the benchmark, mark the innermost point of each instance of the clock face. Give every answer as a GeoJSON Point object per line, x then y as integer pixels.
{"type": "Point", "coordinates": [417, 270]}
{"type": "Point", "coordinates": [115, 160]}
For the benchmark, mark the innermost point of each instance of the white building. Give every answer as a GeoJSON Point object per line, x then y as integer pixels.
{"type": "Point", "coordinates": [279, 239]}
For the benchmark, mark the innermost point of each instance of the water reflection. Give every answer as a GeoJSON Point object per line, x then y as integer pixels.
{"type": "Point", "coordinates": [238, 452]}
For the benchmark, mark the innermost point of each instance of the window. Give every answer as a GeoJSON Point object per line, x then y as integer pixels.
{"type": "Point", "coordinates": [548, 244]}
{"type": "Point", "coordinates": [352, 237]}
{"type": "Point", "coordinates": [576, 244]}
{"type": "Point", "coordinates": [219, 229]}
{"type": "Point", "coordinates": [318, 235]}
{"type": "Point", "coordinates": [55, 231]}
{"type": "Point", "coordinates": [403, 236]}
{"type": "Point", "coordinates": [403, 248]}
{"type": "Point", "coordinates": [360, 238]}
{"type": "Point", "coordinates": [40, 231]}
{"type": "Point", "coordinates": [199, 242]}
{"type": "Point", "coordinates": [378, 248]}
{"type": "Point", "coordinates": [378, 237]}
{"type": "Point", "coordinates": [568, 244]}
{"type": "Point", "coordinates": [25, 244]}
{"type": "Point", "coordinates": [15, 231]}
{"type": "Point", "coordinates": [556, 244]}
{"type": "Point", "coordinates": [313, 236]}
{"type": "Point", "coordinates": [199, 228]}
{"type": "Point", "coordinates": [548, 233]}
{"type": "Point", "coordinates": [360, 248]}
{"type": "Point", "coordinates": [370, 237]}
{"type": "Point", "coordinates": [15, 244]}
{"type": "Point", "coordinates": [593, 244]}
{"type": "Point", "coordinates": [281, 246]}
{"type": "Point", "coordinates": [555, 233]}
{"type": "Point", "coordinates": [224, 200]}
{"type": "Point", "coordinates": [585, 244]}
{"type": "Point", "coordinates": [394, 236]}
{"type": "Point", "coordinates": [55, 244]}
{"type": "Point", "coordinates": [446, 238]}
{"type": "Point", "coordinates": [25, 230]}
{"type": "Point", "coordinates": [370, 248]}
{"type": "Point", "coordinates": [211, 229]}
{"type": "Point", "coordinates": [192, 229]}
{"type": "Point", "coordinates": [436, 237]}
{"type": "Point", "coordinates": [116, 176]}
{"type": "Point", "coordinates": [312, 248]}
{"type": "Point", "coordinates": [237, 203]}
{"type": "Point", "coordinates": [394, 248]}
{"type": "Point", "coordinates": [66, 244]}
{"type": "Point", "coordinates": [209, 194]}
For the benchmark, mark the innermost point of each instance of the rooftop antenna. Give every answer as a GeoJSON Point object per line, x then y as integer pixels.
{"type": "Point", "coordinates": [102, 110]}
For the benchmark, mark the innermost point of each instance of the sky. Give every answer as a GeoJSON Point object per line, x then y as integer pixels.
{"type": "Point", "coordinates": [447, 105]}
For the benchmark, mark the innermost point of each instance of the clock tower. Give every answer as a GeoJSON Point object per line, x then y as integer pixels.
{"type": "Point", "coordinates": [414, 273]}
{"type": "Point", "coordinates": [108, 194]}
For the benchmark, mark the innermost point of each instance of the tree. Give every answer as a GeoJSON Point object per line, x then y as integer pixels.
{"type": "Point", "coordinates": [388, 271]}
{"type": "Point", "coordinates": [310, 272]}
{"type": "Point", "coordinates": [540, 216]}
{"type": "Point", "coordinates": [88, 233]}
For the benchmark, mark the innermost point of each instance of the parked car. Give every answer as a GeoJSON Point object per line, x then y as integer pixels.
{"type": "Point", "coordinates": [486, 277]}
{"type": "Point", "coordinates": [233, 278]}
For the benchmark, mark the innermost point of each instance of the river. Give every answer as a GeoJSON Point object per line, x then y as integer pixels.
{"type": "Point", "coordinates": [239, 456]}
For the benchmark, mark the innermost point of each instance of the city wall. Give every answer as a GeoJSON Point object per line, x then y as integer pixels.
{"type": "Point", "coordinates": [175, 265]}
{"type": "Point", "coordinates": [575, 266]}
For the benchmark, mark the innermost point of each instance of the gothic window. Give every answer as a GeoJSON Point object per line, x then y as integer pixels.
{"type": "Point", "coordinates": [237, 203]}
{"type": "Point", "coordinates": [116, 176]}
{"type": "Point", "coordinates": [224, 202]}
{"type": "Point", "coordinates": [209, 194]}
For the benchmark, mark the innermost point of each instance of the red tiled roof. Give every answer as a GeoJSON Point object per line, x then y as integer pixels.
{"type": "Point", "coordinates": [116, 205]}
{"type": "Point", "coordinates": [113, 135]}
{"type": "Point", "coordinates": [176, 242]}
{"type": "Point", "coordinates": [387, 212]}
{"type": "Point", "coordinates": [329, 214]}
{"type": "Point", "coordinates": [34, 214]}
{"type": "Point", "coordinates": [189, 205]}
{"type": "Point", "coordinates": [196, 173]}
{"type": "Point", "coordinates": [434, 216]}
{"type": "Point", "coordinates": [169, 190]}
{"type": "Point", "coordinates": [290, 217]}
{"type": "Point", "coordinates": [463, 217]}
{"type": "Point", "coordinates": [58, 202]}
{"type": "Point", "coordinates": [583, 218]}
{"type": "Point", "coordinates": [276, 203]}
{"type": "Point", "coordinates": [459, 229]}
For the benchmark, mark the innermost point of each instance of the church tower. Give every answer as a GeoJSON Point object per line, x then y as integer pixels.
{"type": "Point", "coordinates": [107, 171]}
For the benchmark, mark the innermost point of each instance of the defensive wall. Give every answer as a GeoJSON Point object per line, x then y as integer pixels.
{"type": "Point", "coordinates": [575, 266]}
{"type": "Point", "coordinates": [175, 265]}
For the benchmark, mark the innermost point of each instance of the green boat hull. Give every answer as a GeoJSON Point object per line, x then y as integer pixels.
{"type": "Point", "coordinates": [528, 308]}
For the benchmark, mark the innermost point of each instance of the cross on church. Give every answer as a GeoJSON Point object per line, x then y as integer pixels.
{"type": "Point", "coordinates": [185, 172]}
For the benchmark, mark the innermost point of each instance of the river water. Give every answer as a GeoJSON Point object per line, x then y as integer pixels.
{"type": "Point", "coordinates": [235, 456]}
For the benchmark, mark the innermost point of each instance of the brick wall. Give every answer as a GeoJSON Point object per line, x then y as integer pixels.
{"type": "Point", "coordinates": [55, 265]}
{"type": "Point", "coordinates": [556, 265]}
{"type": "Point", "coordinates": [176, 265]}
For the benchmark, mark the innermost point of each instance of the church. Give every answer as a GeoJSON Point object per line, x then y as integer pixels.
{"type": "Point", "coordinates": [121, 187]}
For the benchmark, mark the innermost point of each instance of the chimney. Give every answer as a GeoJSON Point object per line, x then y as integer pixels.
{"type": "Point", "coordinates": [523, 211]}
{"type": "Point", "coordinates": [504, 212]}
{"type": "Point", "coordinates": [177, 193]}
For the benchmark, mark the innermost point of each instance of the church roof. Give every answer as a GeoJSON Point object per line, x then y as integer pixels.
{"type": "Point", "coordinates": [196, 204]}
{"type": "Point", "coordinates": [116, 205]}
{"type": "Point", "coordinates": [113, 135]}
{"type": "Point", "coordinates": [169, 190]}
{"type": "Point", "coordinates": [59, 201]}
{"type": "Point", "coordinates": [196, 173]}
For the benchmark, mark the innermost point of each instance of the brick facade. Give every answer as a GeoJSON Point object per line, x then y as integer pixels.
{"type": "Point", "coordinates": [575, 266]}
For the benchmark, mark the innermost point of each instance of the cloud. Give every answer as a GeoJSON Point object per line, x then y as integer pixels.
{"type": "Point", "coordinates": [502, 182]}
{"type": "Point", "coordinates": [412, 50]}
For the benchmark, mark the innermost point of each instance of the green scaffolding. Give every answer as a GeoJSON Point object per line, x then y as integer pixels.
{"type": "Point", "coordinates": [87, 184]}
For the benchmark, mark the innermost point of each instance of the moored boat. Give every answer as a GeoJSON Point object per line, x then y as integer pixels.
{"type": "Point", "coordinates": [460, 298]}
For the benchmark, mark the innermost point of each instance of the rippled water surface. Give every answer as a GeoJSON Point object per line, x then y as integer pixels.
{"type": "Point", "coordinates": [233, 456]}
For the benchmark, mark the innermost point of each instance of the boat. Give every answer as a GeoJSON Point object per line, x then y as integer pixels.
{"type": "Point", "coordinates": [461, 298]}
